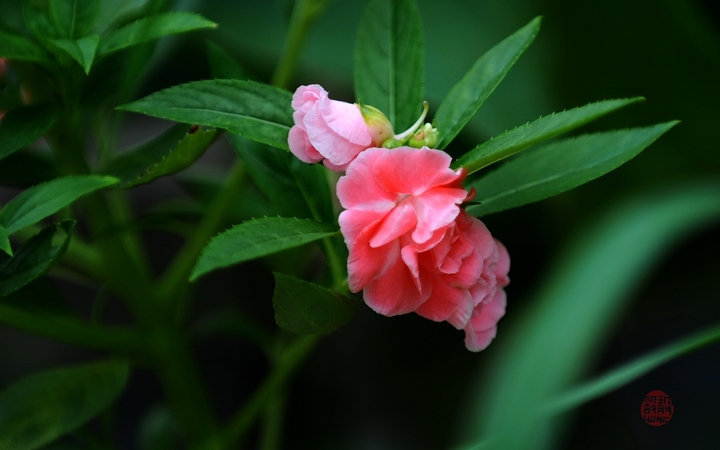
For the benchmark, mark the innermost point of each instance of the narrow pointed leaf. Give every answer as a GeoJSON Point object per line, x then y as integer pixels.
{"type": "Point", "coordinates": [34, 258]}
{"type": "Point", "coordinates": [186, 152]}
{"type": "Point", "coordinates": [81, 50]}
{"type": "Point", "coordinates": [43, 200]}
{"type": "Point", "coordinates": [42, 407]}
{"type": "Point", "coordinates": [256, 238]}
{"type": "Point", "coordinates": [253, 110]}
{"type": "Point", "coordinates": [128, 165]}
{"type": "Point", "coordinates": [73, 19]}
{"type": "Point", "coordinates": [223, 65]}
{"type": "Point", "coordinates": [575, 310]}
{"type": "Point", "coordinates": [306, 308]}
{"type": "Point", "coordinates": [151, 28]}
{"type": "Point", "coordinates": [295, 188]}
{"type": "Point", "coordinates": [38, 22]}
{"type": "Point", "coordinates": [619, 377]}
{"type": "Point", "coordinates": [24, 125]}
{"type": "Point", "coordinates": [560, 166]}
{"type": "Point", "coordinates": [14, 46]}
{"type": "Point", "coordinates": [390, 61]}
{"type": "Point", "coordinates": [542, 129]}
{"type": "Point", "coordinates": [5, 242]}
{"type": "Point", "coordinates": [466, 97]}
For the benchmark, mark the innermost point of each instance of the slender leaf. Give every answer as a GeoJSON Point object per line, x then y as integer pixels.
{"type": "Point", "coordinates": [558, 167]}
{"type": "Point", "coordinates": [187, 151]}
{"type": "Point", "coordinates": [559, 336]}
{"type": "Point", "coordinates": [38, 409]}
{"type": "Point", "coordinates": [24, 125]}
{"type": "Point", "coordinates": [14, 46]}
{"type": "Point", "coordinates": [34, 258]}
{"type": "Point", "coordinates": [390, 61]}
{"type": "Point", "coordinates": [223, 65]}
{"type": "Point", "coordinates": [306, 308]}
{"type": "Point", "coordinates": [46, 199]}
{"type": "Point", "coordinates": [73, 19]}
{"type": "Point", "coordinates": [295, 188]}
{"type": "Point", "coordinates": [544, 128]}
{"type": "Point", "coordinates": [38, 22]}
{"type": "Point", "coordinates": [5, 241]}
{"type": "Point", "coordinates": [81, 50]}
{"type": "Point", "coordinates": [616, 378]}
{"type": "Point", "coordinates": [151, 28]}
{"type": "Point", "coordinates": [468, 95]}
{"type": "Point", "coordinates": [253, 110]}
{"type": "Point", "coordinates": [127, 166]}
{"type": "Point", "coordinates": [256, 238]}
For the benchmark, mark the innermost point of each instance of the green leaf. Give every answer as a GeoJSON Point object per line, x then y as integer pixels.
{"type": "Point", "coordinates": [186, 152]}
{"type": "Point", "coordinates": [81, 50]}
{"type": "Point", "coordinates": [5, 241]}
{"type": "Point", "coordinates": [42, 407]}
{"type": "Point", "coordinates": [306, 308]}
{"type": "Point", "coordinates": [38, 22]}
{"type": "Point", "coordinates": [616, 378]}
{"type": "Point", "coordinates": [34, 258]}
{"type": "Point", "coordinates": [46, 199]}
{"type": "Point", "coordinates": [222, 64]}
{"type": "Point", "coordinates": [151, 28]}
{"type": "Point", "coordinates": [390, 61]}
{"type": "Point", "coordinates": [295, 188]}
{"type": "Point", "coordinates": [574, 311]}
{"type": "Point", "coordinates": [256, 238]}
{"type": "Point", "coordinates": [468, 95]}
{"type": "Point", "coordinates": [24, 125]}
{"type": "Point", "coordinates": [560, 166]}
{"type": "Point", "coordinates": [73, 19]}
{"type": "Point", "coordinates": [127, 166]}
{"type": "Point", "coordinates": [13, 46]}
{"type": "Point", "coordinates": [544, 128]}
{"type": "Point", "coordinates": [253, 110]}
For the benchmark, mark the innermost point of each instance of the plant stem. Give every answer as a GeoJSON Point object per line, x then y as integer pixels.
{"type": "Point", "coordinates": [173, 287]}
{"type": "Point", "coordinates": [304, 14]}
{"type": "Point", "coordinates": [271, 438]}
{"type": "Point", "coordinates": [119, 341]}
{"type": "Point", "coordinates": [286, 366]}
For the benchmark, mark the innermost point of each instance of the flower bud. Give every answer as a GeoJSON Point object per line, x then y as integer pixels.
{"type": "Point", "coordinates": [427, 136]}
{"type": "Point", "coordinates": [378, 125]}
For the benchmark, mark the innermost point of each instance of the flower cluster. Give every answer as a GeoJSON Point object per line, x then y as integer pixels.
{"type": "Point", "coordinates": [412, 247]}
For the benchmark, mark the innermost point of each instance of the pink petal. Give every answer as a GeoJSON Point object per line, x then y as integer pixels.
{"type": "Point", "coordinates": [396, 291]}
{"type": "Point", "coordinates": [346, 121]}
{"type": "Point", "coordinates": [447, 303]}
{"type": "Point", "coordinates": [305, 97]}
{"type": "Point", "coordinates": [482, 327]}
{"type": "Point", "coordinates": [399, 221]}
{"type": "Point", "coordinates": [365, 262]}
{"type": "Point", "coordinates": [300, 146]}
{"type": "Point", "coordinates": [358, 188]}
{"type": "Point", "coordinates": [435, 209]}
{"type": "Point", "coordinates": [408, 170]}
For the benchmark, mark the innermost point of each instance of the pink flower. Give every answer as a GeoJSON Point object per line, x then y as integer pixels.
{"type": "Point", "coordinates": [330, 131]}
{"type": "Point", "coordinates": [413, 249]}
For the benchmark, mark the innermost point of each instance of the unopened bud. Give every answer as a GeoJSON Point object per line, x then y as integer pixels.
{"type": "Point", "coordinates": [392, 143]}
{"type": "Point", "coordinates": [427, 136]}
{"type": "Point", "coordinates": [378, 125]}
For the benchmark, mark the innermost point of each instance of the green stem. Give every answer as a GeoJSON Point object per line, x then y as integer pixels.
{"type": "Point", "coordinates": [271, 438]}
{"type": "Point", "coordinates": [286, 366]}
{"type": "Point", "coordinates": [173, 287]}
{"type": "Point", "coordinates": [304, 14]}
{"type": "Point", "coordinates": [120, 341]}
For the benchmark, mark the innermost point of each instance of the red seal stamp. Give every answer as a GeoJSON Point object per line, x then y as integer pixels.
{"type": "Point", "coordinates": [656, 408]}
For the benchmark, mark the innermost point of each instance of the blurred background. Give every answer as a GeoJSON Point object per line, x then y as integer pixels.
{"type": "Point", "coordinates": [408, 383]}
